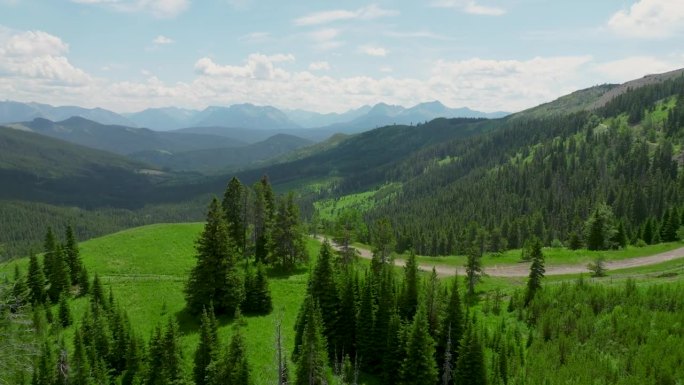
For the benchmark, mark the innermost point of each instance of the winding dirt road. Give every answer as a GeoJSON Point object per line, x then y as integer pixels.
{"type": "Point", "coordinates": [523, 269]}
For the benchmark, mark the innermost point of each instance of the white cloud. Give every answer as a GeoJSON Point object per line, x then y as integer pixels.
{"type": "Point", "coordinates": [470, 6]}
{"type": "Point", "coordinates": [255, 37]}
{"type": "Point", "coordinates": [622, 70]}
{"type": "Point", "coordinates": [373, 51]}
{"type": "Point", "coordinates": [364, 13]}
{"type": "Point", "coordinates": [325, 39]}
{"type": "Point", "coordinates": [38, 56]}
{"type": "Point", "coordinates": [649, 19]}
{"type": "Point", "coordinates": [258, 66]}
{"type": "Point", "coordinates": [162, 9]}
{"type": "Point", "coordinates": [319, 66]}
{"type": "Point", "coordinates": [162, 40]}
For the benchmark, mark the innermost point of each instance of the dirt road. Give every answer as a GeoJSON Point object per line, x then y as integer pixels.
{"type": "Point", "coordinates": [523, 269]}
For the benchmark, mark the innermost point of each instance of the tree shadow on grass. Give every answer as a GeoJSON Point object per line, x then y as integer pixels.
{"type": "Point", "coordinates": [279, 273]}
{"type": "Point", "coordinates": [189, 323]}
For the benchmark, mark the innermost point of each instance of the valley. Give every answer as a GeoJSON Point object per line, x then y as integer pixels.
{"type": "Point", "coordinates": [253, 193]}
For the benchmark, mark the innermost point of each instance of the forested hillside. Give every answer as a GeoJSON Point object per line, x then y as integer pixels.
{"type": "Point", "coordinates": [545, 177]}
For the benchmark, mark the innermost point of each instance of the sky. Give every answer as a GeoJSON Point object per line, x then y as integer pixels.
{"type": "Point", "coordinates": [328, 56]}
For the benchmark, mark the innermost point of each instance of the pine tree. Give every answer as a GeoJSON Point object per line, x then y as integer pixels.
{"type": "Point", "coordinates": [470, 366]}
{"type": "Point", "coordinates": [237, 356]}
{"type": "Point", "coordinates": [409, 294]}
{"type": "Point", "coordinates": [206, 349]}
{"type": "Point", "coordinates": [257, 293]}
{"type": "Point", "coordinates": [324, 291]}
{"type": "Point", "coordinates": [419, 367]}
{"type": "Point", "coordinates": [133, 368]}
{"type": "Point", "coordinates": [165, 365]}
{"type": "Point", "coordinates": [59, 278]}
{"type": "Point", "coordinates": [453, 327]}
{"type": "Point", "coordinates": [366, 346]}
{"type": "Point", "coordinates": [473, 271]}
{"type": "Point", "coordinates": [433, 303]}
{"type": "Point", "coordinates": [80, 369]}
{"type": "Point", "coordinates": [83, 281]}
{"type": "Point", "coordinates": [214, 278]}
{"type": "Point", "coordinates": [574, 241]}
{"type": "Point", "coordinates": [36, 281]}
{"type": "Point", "coordinates": [64, 312]}
{"type": "Point", "coordinates": [536, 271]}
{"type": "Point", "coordinates": [286, 244]}
{"type": "Point", "coordinates": [72, 256]}
{"type": "Point", "coordinates": [50, 249]}
{"type": "Point", "coordinates": [383, 243]}
{"type": "Point", "coordinates": [44, 370]}
{"type": "Point", "coordinates": [97, 294]}
{"type": "Point", "coordinates": [264, 215]}
{"type": "Point", "coordinates": [347, 315]}
{"type": "Point", "coordinates": [395, 351]}
{"type": "Point", "coordinates": [235, 208]}
{"type": "Point", "coordinates": [312, 360]}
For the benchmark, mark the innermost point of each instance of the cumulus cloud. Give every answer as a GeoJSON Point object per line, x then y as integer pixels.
{"type": "Point", "coordinates": [258, 66]}
{"type": "Point", "coordinates": [162, 40]}
{"type": "Point", "coordinates": [373, 51]}
{"type": "Point", "coordinates": [364, 13]}
{"type": "Point", "coordinates": [162, 9]}
{"type": "Point", "coordinates": [319, 66]}
{"type": "Point", "coordinates": [38, 56]}
{"type": "Point", "coordinates": [470, 6]}
{"type": "Point", "coordinates": [649, 19]}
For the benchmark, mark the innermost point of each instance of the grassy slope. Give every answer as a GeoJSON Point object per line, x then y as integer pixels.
{"type": "Point", "coordinates": [146, 268]}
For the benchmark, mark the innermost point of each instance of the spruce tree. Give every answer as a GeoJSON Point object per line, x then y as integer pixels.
{"type": "Point", "coordinates": [409, 294]}
{"type": "Point", "coordinates": [44, 370]}
{"type": "Point", "coordinates": [324, 292]}
{"type": "Point", "coordinates": [419, 366]}
{"type": "Point", "coordinates": [83, 281]}
{"type": "Point", "coordinates": [64, 312]}
{"type": "Point", "coordinates": [59, 278]}
{"type": "Point", "coordinates": [215, 278]}
{"type": "Point", "coordinates": [536, 271]}
{"type": "Point", "coordinates": [80, 369]}
{"type": "Point", "coordinates": [72, 256]}
{"type": "Point", "coordinates": [235, 208]}
{"type": "Point", "coordinates": [263, 304]}
{"type": "Point", "coordinates": [50, 249]}
{"type": "Point", "coordinates": [206, 349]}
{"type": "Point", "coordinates": [346, 331]}
{"type": "Point", "coordinates": [312, 360]}
{"type": "Point", "coordinates": [97, 293]}
{"type": "Point", "coordinates": [36, 281]}
{"type": "Point", "coordinates": [433, 303]}
{"type": "Point", "coordinates": [237, 366]}
{"type": "Point", "coordinates": [452, 329]}
{"type": "Point", "coordinates": [286, 246]}
{"type": "Point", "coordinates": [366, 344]}
{"type": "Point", "coordinates": [264, 213]}
{"type": "Point", "coordinates": [395, 351]}
{"type": "Point", "coordinates": [473, 271]}
{"type": "Point", "coordinates": [470, 366]}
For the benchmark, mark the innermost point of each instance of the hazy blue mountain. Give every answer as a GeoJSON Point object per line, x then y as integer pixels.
{"type": "Point", "coordinates": [122, 139]}
{"type": "Point", "coordinates": [216, 160]}
{"type": "Point", "coordinates": [12, 112]}
{"type": "Point", "coordinates": [310, 119]}
{"type": "Point", "coordinates": [163, 119]}
{"type": "Point", "coordinates": [244, 116]}
{"type": "Point", "coordinates": [383, 114]}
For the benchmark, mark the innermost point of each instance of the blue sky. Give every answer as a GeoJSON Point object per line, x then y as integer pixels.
{"type": "Point", "coordinates": [325, 56]}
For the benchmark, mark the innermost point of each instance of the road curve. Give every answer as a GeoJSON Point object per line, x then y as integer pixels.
{"type": "Point", "coordinates": [523, 269]}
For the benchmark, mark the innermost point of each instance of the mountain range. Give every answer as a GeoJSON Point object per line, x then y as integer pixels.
{"type": "Point", "coordinates": [245, 116]}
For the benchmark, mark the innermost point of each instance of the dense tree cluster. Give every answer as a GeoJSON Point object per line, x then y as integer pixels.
{"type": "Point", "coordinates": [247, 222]}
{"type": "Point", "coordinates": [407, 331]}
{"type": "Point", "coordinates": [546, 176]}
